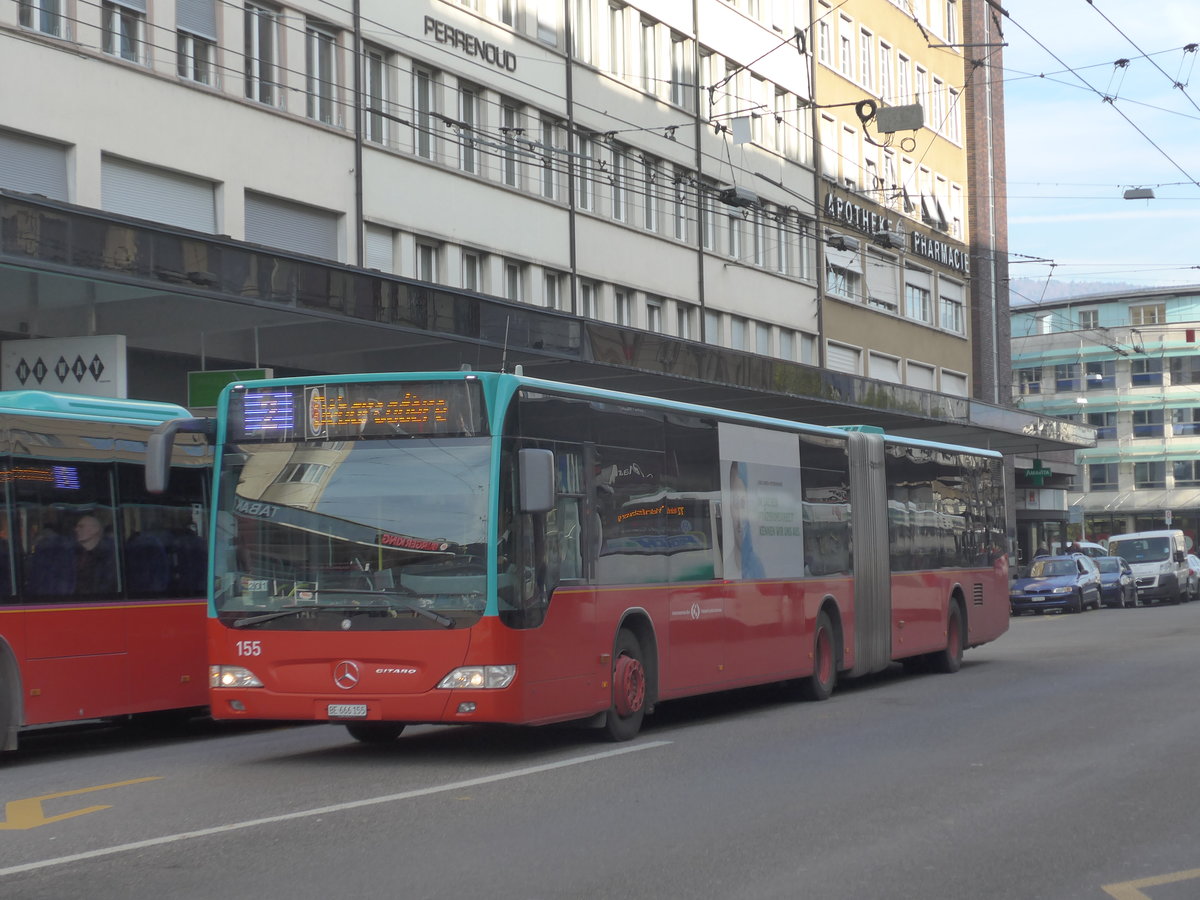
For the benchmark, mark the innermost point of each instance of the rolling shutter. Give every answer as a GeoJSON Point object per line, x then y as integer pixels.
{"type": "Point", "coordinates": [291, 226]}
{"type": "Point", "coordinates": [33, 166]}
{"type": "Point", "coordinates": [198, 17]}
{"type": "Point", "coordinates": [159, 195]}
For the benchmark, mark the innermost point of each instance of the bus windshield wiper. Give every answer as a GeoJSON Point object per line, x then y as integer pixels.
{"type": "Point", "coordinates": [444, 621]}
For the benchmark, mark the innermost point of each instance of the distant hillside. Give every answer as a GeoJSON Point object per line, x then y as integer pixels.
{"type": "Point", "coordinates": [1037, 290]}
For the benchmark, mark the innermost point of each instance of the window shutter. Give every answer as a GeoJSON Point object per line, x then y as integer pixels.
{"type": "Point", "coordinates": [841, 358]}
{"type": "Point", "coordinates": [33, 166]}
{"type": "Point", "coordinates": [135, 5]}
{"type": "Point", "coordinates": [291, 226]}
{"type": "Point", "coordinates": [198, 17]}
{"type": "Point", "coordinates": [378, 251]}
{"type": "Point", "coordinates": [147, 192]}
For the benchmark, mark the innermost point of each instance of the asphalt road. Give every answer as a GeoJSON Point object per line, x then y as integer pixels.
{"type": "Point", "coordinates": [1060, 763]}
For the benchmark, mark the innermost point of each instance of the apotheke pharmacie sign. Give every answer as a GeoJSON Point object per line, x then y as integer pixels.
{"type": "Point", "coordinates": [867, 221]}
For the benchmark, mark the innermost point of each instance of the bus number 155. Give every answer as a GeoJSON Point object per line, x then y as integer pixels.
{"type": "Point", "coordinates": [249, 648]}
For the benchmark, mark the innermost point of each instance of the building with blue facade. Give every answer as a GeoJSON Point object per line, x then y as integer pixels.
{"type": "Point", "coordinates": [1127, 364]}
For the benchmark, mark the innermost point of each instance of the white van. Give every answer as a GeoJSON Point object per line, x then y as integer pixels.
{"type": "Point", "coordinates": [1158, 560]}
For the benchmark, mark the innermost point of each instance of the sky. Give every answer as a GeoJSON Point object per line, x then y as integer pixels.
{"type": "Point", "coordinates": [1082, 129]}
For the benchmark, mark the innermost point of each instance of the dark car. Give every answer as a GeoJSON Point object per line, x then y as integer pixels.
{"type": "Point", "coordinates": [1118, 585]}
{"type": "Point", "coordinates": [1066, 583]}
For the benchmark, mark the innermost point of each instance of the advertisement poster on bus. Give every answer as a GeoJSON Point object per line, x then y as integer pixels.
{"type": "Point", "coordinates": [762, 529]}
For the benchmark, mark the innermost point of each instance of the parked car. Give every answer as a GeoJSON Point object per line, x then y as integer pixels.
{"type": "Point", "coordinates": [1065, 583]}
{"type": "Point", "coordinates": [1118, 586]}
{"type": "Point", "coordinates": [1159, 563]}
{"type": "Point", "coordinates": [1193, 562]}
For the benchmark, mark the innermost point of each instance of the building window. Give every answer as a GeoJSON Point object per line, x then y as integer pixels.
{"type": "Point", "coordinates": [1105, 424]}
{"type": "Point", "coordinates": [510, 127]}
{"type": "Point", "coordinates": [734, 234]}
{"type": "Point", "coordinates": [917, 303]}
{"type": "Point", "coordinates": [195, 58]}
{"type": "Point", "coordinates": [469, 124]}
{"type": "Point", "coordinates": [866, 57]}
{"type": "Point", "coordinates": [684, 317]}
{"type": "Point", "coordinates": [623, 307]}
{"type": "Point", "coordinates": [708, 214]}
{"type": "Point", "coordinates": [682, 79]}
{"type": "Point", "coordinates": [762, 339]}
{"type": "Point", "coordinates": [1148, 423]}
{"type": "Point", "coordinates": [588, 299]}
{"type": "Point", "coordinates": [1067, 377]}
{"type": "Point", "coordinates": [124, 31]}
{"type": "Point", "coordinates": [680, 213]}
{"type": "Point", "coordinates": [1029, 380]}
{"type": "Point", "coordinates": [842, 281]}
{"type": "Point", "coordinates": [1186, 472]}
{"type": "Point", "coordinates": [712, 327]}
{"type": "Point", "coordinates": [1101, 374]}
{"type": "Point", "coordinates": [321, 66]}
{"type": "Point", "coordinates": [654, 316]}
{"type": "Point", "coordinates": [1146, 371]}
{"type": "Point", "coordinates": [428, 262]}
{"type": "Point", "coordinates": [885, 72]}
{"type": "Point", "coordinates": [1102, 476]}
{"type": "Point", "coordinates": [737, 332]}
{"type": "Point", "coordinates": [1185, 370]}
{"type": "Point", "coordinates": [952, 315]}
{"type": "Point", "coordinates": [508, 12]}
{"type": "Point", "coordinates": [620, 171]}
{"type": "Point", "coordinates": [582, 29]}
{"type": "Point", "coordinates": [514, 280]}
{"type": "Point", "coordinates": [846, 46]}
{"type": "Point", "coordinates": [585, 156]}
{"type": "Point", "coordinates": [547, 21]}
{"type": "Point", "coordinates": [1088, 318]}
{"type": "Point", "coordinates": [261, 53]}
{"type": "Point", "coordinates": [554, 290]}
{"type": "Point", "coordinates": [472, 270]}
{"type": "Point", "coordinates": [1154, 314]}
{"type": "Point", "coordinates": [616, 39]}
{"type": "Point", "coordinates": [1150, 475]}
{"type": "Point", "coordinates": [650, 195]}
{"type": "Point", "coordinates": [423, 106]}
{"type": "Point", "coordinates": [649, 57]}
{"type": "Point", "coordinates": [45, 16]}
{"type": "Point", "coordinates": [375, 69]}
{"type": "Point", "coordinates": [551, 143]}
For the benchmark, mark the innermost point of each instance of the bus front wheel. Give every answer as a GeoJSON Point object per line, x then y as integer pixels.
{"type": "Point", "coordinates": [819, 685]}
{"type": "Point", "coordinates": [624, 719]}
{"type": "Point", "coordinates": [375, 732]}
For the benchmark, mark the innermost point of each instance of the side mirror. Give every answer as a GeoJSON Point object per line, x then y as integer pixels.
{"type": "Point", "coordinates": [535, 468]}
{"type": "Point", "coordinates": [159, 445]}
{"type": "Point", "coordinates": [1179, 556]}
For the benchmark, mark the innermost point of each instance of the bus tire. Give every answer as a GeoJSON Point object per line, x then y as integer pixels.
{"type": "Point", "coordinates": [375, 732]}
{"type": "Point", "coordinates": [624, 719]}
{"type": "Point", "coordinates": [819, 685]}
{"type": "Point", "coordinates": [10, 720]}
{"type": "Point", "coordinates": [949, 660]}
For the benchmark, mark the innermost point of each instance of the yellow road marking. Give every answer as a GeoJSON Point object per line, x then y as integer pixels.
{"type": "Point", "coordinates": [1131, 890]}
{"type": "Point", "coordinates": [20, 815]}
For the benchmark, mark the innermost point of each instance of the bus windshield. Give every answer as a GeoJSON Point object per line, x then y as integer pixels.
{"type": "Point", "coordinates": [375, 532]}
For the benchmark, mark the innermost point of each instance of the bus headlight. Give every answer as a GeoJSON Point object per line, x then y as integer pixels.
{"type": "Point", "coordinates": [232, 677]}
{"type": "Point", "coordinates": [479, 677]}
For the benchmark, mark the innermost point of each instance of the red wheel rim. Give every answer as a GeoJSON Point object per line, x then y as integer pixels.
{"type": "Point", "coordinates": [824, 665]}
{"type": "Point", "coordinates": [629, 685]}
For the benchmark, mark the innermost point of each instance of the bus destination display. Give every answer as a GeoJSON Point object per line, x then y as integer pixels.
{"type": "Point", "coordinates": [360, 409]}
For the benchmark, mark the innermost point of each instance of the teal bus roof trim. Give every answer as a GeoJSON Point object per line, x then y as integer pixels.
{"type": "Point", "coordinates": [82, 406]}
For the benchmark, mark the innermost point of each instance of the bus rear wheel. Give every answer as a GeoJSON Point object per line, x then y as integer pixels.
{"type": "Point", "coordinates": [950, 660]}
{"type": "Point", "coordinates": [819, 685]}
{"type": "Point", "coordinates": [624, 719]}
{"type": "Point", "coordinates": [375, 732]}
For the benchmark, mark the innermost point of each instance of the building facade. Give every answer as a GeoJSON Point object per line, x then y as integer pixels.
{"type": "Point", "coordinates": [700, 190]}
{"type": "Point", "coordinates": [1127, 365]}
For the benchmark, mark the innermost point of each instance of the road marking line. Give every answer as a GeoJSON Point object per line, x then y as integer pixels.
{"type": "Point", "coordinates": [1129, 890]}
{"type": "Point", "coordinates": [325, 810]}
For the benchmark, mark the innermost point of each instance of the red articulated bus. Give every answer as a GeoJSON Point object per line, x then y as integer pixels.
{"type": "Point", "coordinates": [102, 584]}
{"type": "Point", "coordinates": [479, 547]}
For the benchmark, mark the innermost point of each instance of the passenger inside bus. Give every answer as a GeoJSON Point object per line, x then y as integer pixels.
{"type": "Point", "coordinates": [95, 572]}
